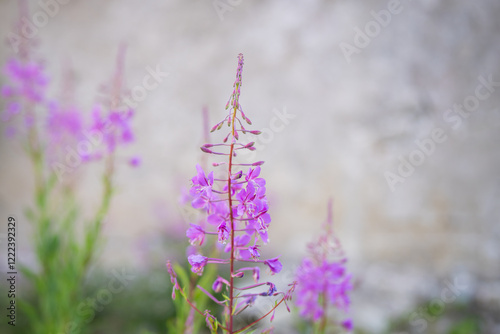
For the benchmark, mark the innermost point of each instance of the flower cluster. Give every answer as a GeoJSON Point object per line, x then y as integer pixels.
{"type": "Point", "coordinates": [112, 120]}
{"type": "Point", "coordinates": [63, 124]}
{"type": "Point", "coordinates": [322, 279]}
{"type": "Point", "coordinates": [236, 203]}
{"type": "Point", "coordinates": [249, 209]}
{"type": "Point", "coordinates": [25, 92]}
{"type": "Point", "coordinates": [237, 217]}
{"type": "Point", "coordinates": [57, 139]}
{"type": "Point", "coordinates": [27, 86]}
{"type": "Point", "coordinates": [115, 126]}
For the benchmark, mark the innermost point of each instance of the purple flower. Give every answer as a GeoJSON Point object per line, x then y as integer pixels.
{"type": "Point", "coordinates": [347, 324]}
{"type": "Point", "coordinates": [223, 232]}
{"type": "Point", "coordinates": [250, 300]}
{"type": "Point", "coordinates": [134, 161]}
{"type": "Point", "coordinates": [255, 226]}
{"type": "Point", "coordinates": [240, 242]}
{"type": "Point", "coordinates": [235, 187]}
{"type": "Point", "coordinates": [325, 279]}
{"type": "Point", "coordinates": [249, 203]}
{"type": "Point", "coordinates": [114, 128]}
{"type": "Point", "coordinates": [202, 189]}
{"type": "Point", "coordinates": [197, 263]}
{"type": "Point", "coordinates": [263, 219]}
{"type": "Point", "coordinates": [26, 87]}
{"type": "Point", "coordinates": [203, 201]}
{"type": "Point", "coordinates": [64, 126]}
{"type": "Point", "coordinates": [252, 176]}
{"type": "Point", "coordinates": [202, 183]}
{"type": "Point", "coordinates": [217, 285]}
{"type": "Point", "coordinates": [254, 251]}
{"type": "Point", "coordinates": [196, 235]}
{"type": "Point", "coordinates": [26, 80]}
{"type": "Point", "coordinates": [274, 265]}
{"type": "Point", "coordinates": [322, 278]}
{"type": "Point", "coordinates": [256, 274]}
{"type": "Point", "coordinates": [236, 208]}
{"type": "Point", "coordinates": [13, 108]}
{"type": "Point", "coordinates": [272, 289]}
{"type": "Point", "coordinates": [215, 219]}
{"type": "Point", "coordinates": [121, 120]}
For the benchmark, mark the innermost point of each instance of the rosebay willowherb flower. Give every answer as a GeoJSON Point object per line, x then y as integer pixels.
{"type": "Point", "coordinates": [64, 241]}
{"type": "Point", "coordinates": [26, 88]}
{"type": "Point", "coordinates": [236, 205]}
{"type": "Point", "coordinates": [322, 280]}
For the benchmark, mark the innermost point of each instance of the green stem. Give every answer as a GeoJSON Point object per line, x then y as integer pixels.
{"type": "Point", "coordinates": [95, 229]}
{"type": "Point", "coordinates": [324, 318]}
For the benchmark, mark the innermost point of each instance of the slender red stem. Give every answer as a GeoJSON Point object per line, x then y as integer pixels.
{"type": "Point", "coordinates": [231, 278]}
{"type": "Point", "coordinates": [265, 315]}
{"type": "Point", "coordinates": [200, 312]}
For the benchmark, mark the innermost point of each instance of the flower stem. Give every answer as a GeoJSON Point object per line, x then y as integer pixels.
{"type": "Point", "coordinates": [231, 278]}
{"type": "Point", "coordinates": [324, 318]}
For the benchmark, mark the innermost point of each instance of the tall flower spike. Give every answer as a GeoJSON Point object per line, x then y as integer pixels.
{"type": "Point", "coordinates": [322, 279]}
{"type": "Point", "coordinates": [236, 208]}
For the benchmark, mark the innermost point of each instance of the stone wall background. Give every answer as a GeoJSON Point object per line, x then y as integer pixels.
{"type": "Point", "coordinates": [352, 121]}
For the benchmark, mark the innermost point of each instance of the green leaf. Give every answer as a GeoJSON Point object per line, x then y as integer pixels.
{"type": "Point", "coordinates": [30, 215]}
{"type": "Point", "coordinates": [28, 273]}
{"type": "Point", "coordinates": [182, 276]}
{"type": "Point", "coordinates": [30, 311]}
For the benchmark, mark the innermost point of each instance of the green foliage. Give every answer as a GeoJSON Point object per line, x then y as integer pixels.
{"type": "Point", "coordinates": [466, 326]}
{"type": "Point", "coordinates": [188, 282]}
{"type": "Point", "coordinates": [453, 318]}
{"type": "Point", "coordinates": [62, 256]}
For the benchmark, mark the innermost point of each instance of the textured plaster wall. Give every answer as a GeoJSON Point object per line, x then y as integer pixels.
{"type": "Point", "coordinates": [352, 120]}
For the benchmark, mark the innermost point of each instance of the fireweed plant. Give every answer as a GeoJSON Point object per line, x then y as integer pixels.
{"type": "Point", "coordinates": [51, 134]}
{"type": "Point", "coordinates": [323, 281]}
{"type": "Point", "coordinates": [237, 220]}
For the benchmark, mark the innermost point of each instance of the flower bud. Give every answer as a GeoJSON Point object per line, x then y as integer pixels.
{"type": "Point", "coordinates": [256, 274]}
{"type": "Point", "coordinates": [206, 150]}
{"type": "Point", "coordinates": [237, 175]}
{"type": "Point", "coordinates": [239, 274]}
{"type": "Point", "coordinates": [217, 286]}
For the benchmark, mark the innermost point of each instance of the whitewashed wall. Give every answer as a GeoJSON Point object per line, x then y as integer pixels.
{"type": "Point", "coordinates": [353, 117]}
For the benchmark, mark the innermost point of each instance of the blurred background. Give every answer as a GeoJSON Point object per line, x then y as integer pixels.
{"type": "Point", "coordinates": [389, 107]}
